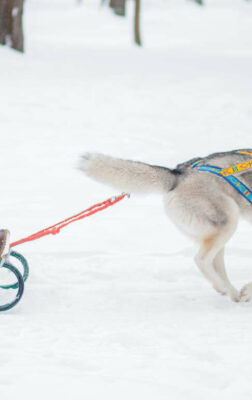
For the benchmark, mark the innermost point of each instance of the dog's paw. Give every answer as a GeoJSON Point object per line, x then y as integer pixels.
{"type": "Point", "coordinates": [220, 291]}
{"type": "Point", "coordinates": [246, 293]}
{"type": "Point", "coordinates": [235, 295]}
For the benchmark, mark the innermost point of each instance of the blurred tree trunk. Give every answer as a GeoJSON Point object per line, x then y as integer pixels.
{"type": "Point", "coordinates": [137, 23]}
{"type": "Point", "coordinates": [11, 27]}
{"type": "Point", "coordinates": [119, 7]}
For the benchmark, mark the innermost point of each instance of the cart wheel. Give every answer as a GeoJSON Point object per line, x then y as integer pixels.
{"type": "Point", "coordinates": [19, 284]}
{"type": "Point", "coordinates": [25, 265]}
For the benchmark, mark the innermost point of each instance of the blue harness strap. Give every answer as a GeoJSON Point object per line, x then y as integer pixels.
{"type": "Point", "coordinates": [231, 179]}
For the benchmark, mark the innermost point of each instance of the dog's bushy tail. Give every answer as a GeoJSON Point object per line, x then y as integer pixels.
{"type": "Point", "coordinates": [128, 176]}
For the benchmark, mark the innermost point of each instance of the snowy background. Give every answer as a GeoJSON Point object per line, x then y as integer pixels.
{"type": "Point", "coordinates": [114, 307]}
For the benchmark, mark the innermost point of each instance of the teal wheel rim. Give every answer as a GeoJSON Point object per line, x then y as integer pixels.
{"type": "Point", "coordinates": [20, 286]}
{"type": "Point", "coordinates": [25, 266]}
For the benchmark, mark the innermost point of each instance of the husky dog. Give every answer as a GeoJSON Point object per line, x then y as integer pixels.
{"type": "Point", "coordinates": [204, 206]}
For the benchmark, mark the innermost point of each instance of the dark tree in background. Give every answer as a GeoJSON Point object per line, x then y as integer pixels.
{"type": "Point", "coordinates": [119, 8]}
{"type": "Point", "coordinates": [11, 27]}
{"type": "Point", "coordinates": [137, 23]}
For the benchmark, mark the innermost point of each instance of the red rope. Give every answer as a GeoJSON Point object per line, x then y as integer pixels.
{"type": "Point", "coordinates": [54, 229]}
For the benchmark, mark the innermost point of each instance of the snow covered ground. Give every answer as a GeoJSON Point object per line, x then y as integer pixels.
{"type": "Point", "coordinates": [114, 307]}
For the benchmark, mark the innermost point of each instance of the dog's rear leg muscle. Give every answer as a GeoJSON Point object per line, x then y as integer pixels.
{"type": "Point", "coordinates": [209, 256]}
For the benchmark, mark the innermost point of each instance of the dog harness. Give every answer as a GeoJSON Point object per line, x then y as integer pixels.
{"type": "Point", "coordinates": [228, 174]}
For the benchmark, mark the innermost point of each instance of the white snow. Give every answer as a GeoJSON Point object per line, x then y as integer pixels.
{"type": "Point", "coordinates": [115, 307]}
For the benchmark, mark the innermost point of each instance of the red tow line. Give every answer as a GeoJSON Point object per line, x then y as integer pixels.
{"type": "Point", "coordinates": [54, 229]}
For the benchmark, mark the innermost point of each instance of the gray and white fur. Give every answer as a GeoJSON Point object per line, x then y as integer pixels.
{"type": "Point", "coordinates": [204, 206]}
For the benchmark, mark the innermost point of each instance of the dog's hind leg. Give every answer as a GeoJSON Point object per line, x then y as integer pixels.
{"type": "Point", "coordinates": [207, 258]}
{"type": "Point", "coordinates": [210, 258]}
{"type": "Point", "coordinates": [211, 220]}
{"type": "Point", "coordinates": [219, 266]}
{"type": "Point", "coordinates": [246, 291]}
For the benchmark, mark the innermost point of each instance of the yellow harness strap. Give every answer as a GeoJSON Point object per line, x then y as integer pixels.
{"type": "Point", "coordinates": [238, 167]}
{"type": "Point", "coordinates": [245, 152]}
